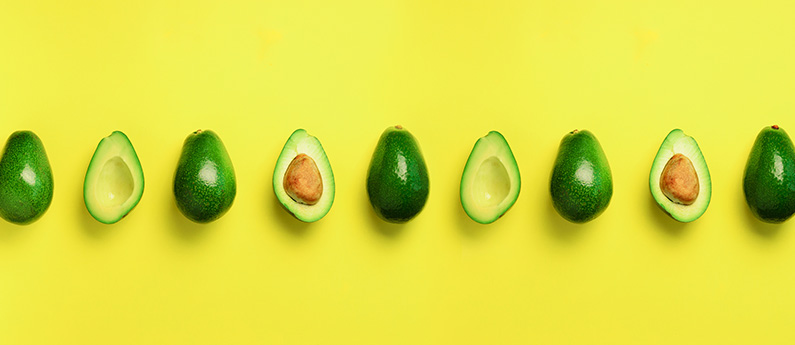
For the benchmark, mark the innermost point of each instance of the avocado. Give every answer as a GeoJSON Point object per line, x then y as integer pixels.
{"type": "Point", "coordinates": [302, 180]}
{"type": "Point", "coordinates": [490, 183]}
{"type": "Point", "coordinates": [26, 183]}
{"type": "Point", "coordinates": [581, 183]}
{"type": "Point", "coordinates": [769, 179]}
{"type": "Point", "coordinates": [204, 183]}
{"type": "Point", "coordinates": [114, 180]}
{"type": "Point", "coordinates": [397, 180]}
{"type": "Point", "coordinates": [679, 179]}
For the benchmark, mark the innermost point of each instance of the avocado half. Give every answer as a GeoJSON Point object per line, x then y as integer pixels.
{"type": "Point", "coordinates": [491, 182]}
{"type": "Point", "coordinates": [679, 179]}
{"type": "Point", "coordinates": [114, 181]}
{"type": "Point", "coordinates": [302, 180]}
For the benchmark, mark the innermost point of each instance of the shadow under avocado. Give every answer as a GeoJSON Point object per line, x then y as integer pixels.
{"type": "Point", "coordinates": [10, 231]}
{"type": "Point", "coordinates": [764, 230]}
{"type": "Point", "coordinates": [91, 227]}
{"type": "Point", "coordinates": [386, 229]}
{"type": "Point", "coordinates": [471, 228]}
{"type": "Point", "coordinates": [466, 225]}
{"type": "Point", "coordinates": [561, 229]}
{"type": "Point", "coordinates": [286, 221]}
{"type": "Point", "coordinates": [183, 228]}
{"type": "Point", "coordinates": [665, 223]}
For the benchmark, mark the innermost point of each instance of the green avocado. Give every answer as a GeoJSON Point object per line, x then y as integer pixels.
{"type": "Point", "coordinates": [679, 179]}
{"type": "Point", "coordinates": [26, 183]}
{"type": "Point", "coordinates": [581, 183]}
{"type": "Point", "coordinates": [302, 179]}
{"type": "Point", "coordinates": [769, 179]}
{"type": "Point", "coordinates": [490, 183]}
{"type": "Point", "coordinates": [204, 183]}
{"type": "Point", "coordinates": [397, 180]}
{"type": "Point", "coordinates": [114, 180]}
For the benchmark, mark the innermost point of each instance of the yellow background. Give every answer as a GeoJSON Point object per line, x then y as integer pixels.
{"type": "Point", "coordinates": [449, 71]}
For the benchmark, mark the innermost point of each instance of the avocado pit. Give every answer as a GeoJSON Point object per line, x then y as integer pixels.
{"type": "Point", "coordinates": [302, 180]}
{"type": "Point", "coordinates": [679, 180]}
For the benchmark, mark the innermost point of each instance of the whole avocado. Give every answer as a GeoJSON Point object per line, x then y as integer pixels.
{"type": "Point", "coordinates": [204, 183]}
{"type": "Point", "coordinates": [581, 185]}
{"type": "Point", "coordinates": [397, 180]}
{"type": "Point", "coordinates": [769, 179]}
{"type": "Point", "coordinates": [26, 183]}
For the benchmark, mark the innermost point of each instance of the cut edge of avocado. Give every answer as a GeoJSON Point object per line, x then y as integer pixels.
{"type": "Point", "coordinates": [114, 180]}
{"type": "Point", "coordinates": [300, 142]}
{"type": "Point", "coordinates": [491, 182]}
{"type": "Point", "coordinates": [677, 142]}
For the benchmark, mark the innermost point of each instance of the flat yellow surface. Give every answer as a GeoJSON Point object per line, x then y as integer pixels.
{"type": "Point", "coordinates": [449, 71]}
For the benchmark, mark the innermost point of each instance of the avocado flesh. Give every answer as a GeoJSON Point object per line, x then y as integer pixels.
{"type": "Point", "coordinates": [114, 180]}
{"type": "Point", "coordinates": [677, 142]}
{"type": "Point", "coordinates": [491, 182]}
{"type": "Point", "coordinates": [397, 179]}
{"type": "Point", "coordinates": [204, 182]}
{"type": "Point", "coordinates": [300, 142]}
{"type": "Point", "coordinates": [769, 179]}
{"type": "Point", "coordinates": [26, 183]}
{"type": "Point", "coordinates": [581, 184]}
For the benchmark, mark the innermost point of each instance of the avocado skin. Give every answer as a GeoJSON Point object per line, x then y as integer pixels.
{"type": "Point", "coordinates": [20, 201]}
{"type": "Point", "coordinates": [580, 197]}
{"type": "Point", "coordinates": [204, 183]}
{"type": "Point", "coordinates": [769, 179]}
{"type": "Point", "coordinates": [397, 180]}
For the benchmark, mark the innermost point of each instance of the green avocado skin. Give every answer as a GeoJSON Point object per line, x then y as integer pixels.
{"type": "Point", "coordinates": [581, 183]}
{"type": "Point", "coordinates": [204, 183]}
{"type": "Point", "coordinates": [397, 180]}
{"type": "Point", "coordinates": [769, 179]}
{"type": "Point", "coordinates": [26, 183]}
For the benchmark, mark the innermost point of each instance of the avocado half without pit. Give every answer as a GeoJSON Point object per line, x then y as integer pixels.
{"type": "Point", "coordinates": [679, 179]}
{"type": "Point", "coordinates": [302, 180]}
{"type": "Point", "coordinates": [114, 181]}
{"type": "Point", "coordinates": [490, 183]}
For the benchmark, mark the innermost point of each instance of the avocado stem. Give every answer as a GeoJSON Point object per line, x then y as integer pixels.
{"type": "Point", "coordinates": [774, 126]}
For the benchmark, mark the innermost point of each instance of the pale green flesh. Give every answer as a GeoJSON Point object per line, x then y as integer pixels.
{"type": "Point", "coordinates": [114, 181]}
{"type": "Point", "coordinates": [301, 142]}
{"type": "Point", "coordinates": [490, 183]}
{"type": "Point", "coordinates": [678, 142]}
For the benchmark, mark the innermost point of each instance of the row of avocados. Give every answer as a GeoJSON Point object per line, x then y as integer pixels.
{"type": "Point", "coordinates": [581, 183]}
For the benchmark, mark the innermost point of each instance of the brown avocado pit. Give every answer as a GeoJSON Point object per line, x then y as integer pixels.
{"type": "Point", "coordinates": [302, 180]}
{"type": "Point", "coordinates": [679, 180]}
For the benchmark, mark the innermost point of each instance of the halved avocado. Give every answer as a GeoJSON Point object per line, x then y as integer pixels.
{"type": "Point", "coordinates": [679, 178]}
{"type": "Point", "coordinates": [302, 180]}
{"type": "Point", "coordinates": [490, 183]}
{"type": "Point", "coordinates": [114, 181]}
